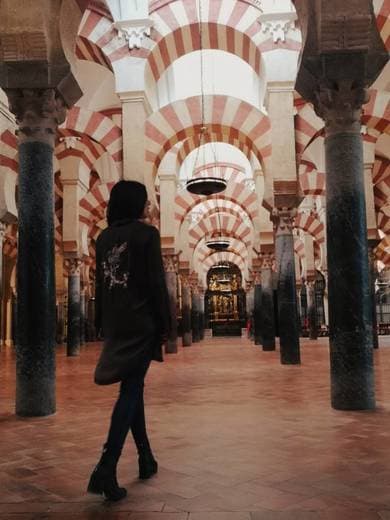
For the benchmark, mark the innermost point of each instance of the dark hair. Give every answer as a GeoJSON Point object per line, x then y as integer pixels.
{"type": "Point", "coordinates": [127, 201]}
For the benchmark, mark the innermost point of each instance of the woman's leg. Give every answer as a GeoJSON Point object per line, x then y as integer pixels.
{"type": "Point", "coordinates": [125, 411]}
{"type": "Point", "coordinates": [123, 414]}
{"type": "Point", "coordinates": [138, 427]}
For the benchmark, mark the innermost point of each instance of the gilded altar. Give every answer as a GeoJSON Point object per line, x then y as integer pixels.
{"type": "Point", "coordinates": [225, 298]}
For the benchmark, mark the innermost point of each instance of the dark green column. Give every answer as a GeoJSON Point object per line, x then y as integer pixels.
{"type": "Point", "coordinates": [312, 309]}
{"type": "Point", "coordinates": [350, 300]}
{"type": "Point", "coordinates": [195, 315]}
{"type": "Point", "coordinates": [267, 304]}
{"type": "Point", "coordinates": [37, 112]}
{"type": "Point", "coordinates": [186, 311]}
{"type": "Point", "coordinates": [83, 306]}
{"type": "Point", "coordinates": [171, 267]}
{"type": "Point", "coordinates": [287, 296]}
{"type": "Point", "coordinates": [373, 275]}
{"type": "Point", "coordinates": [73, 335]}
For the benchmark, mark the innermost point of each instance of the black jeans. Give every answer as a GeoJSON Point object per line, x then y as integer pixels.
{"type": "Point", "coordinates": [129, 413]}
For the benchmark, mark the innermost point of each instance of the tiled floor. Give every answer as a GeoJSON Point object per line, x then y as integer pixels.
{"type": "Point", "coordinates": [237, 436]}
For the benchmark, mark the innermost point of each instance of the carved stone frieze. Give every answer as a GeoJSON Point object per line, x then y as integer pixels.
{"type": "Point", "coordinates": [70, 141]}
{"type": "Point", "coordinates": [38, 113]}
{"type": "Point", "coordinates": [134, 31]}
{"type": "Point", "coordinates": [278, 29]}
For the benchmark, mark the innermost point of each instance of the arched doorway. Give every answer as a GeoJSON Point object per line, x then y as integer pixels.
{"type": "Point", "coordinates": [225, 305]}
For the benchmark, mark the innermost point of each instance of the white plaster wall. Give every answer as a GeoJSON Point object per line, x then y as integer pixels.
{"type": "Point", "coordinates": [98, 86]}
{"type": "Point", "coordinates": [223, 73]}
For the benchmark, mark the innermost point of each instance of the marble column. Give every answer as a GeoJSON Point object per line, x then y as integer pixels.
{"type": "Point", "coordinates": [186, 310]}
{"type": "Point", "coordinates": [373, 275]}
{"type": "Point", "coordinates": [201, 297]}
{"type": "Point", "coordinates": [73, 336]}
{"type": "Point", "coordinates": [37, 113]}
{"type": "Point", "coordinates": [350, 301]}
{"type": "Point", "coordinates": [171, 267]}
{"type": "Point", "coordinates": [250, 302]}
{"type": "Point", "coordinates": [82, 316]}
{"type": "Point", "coordinates": [3, 227]}
{"type": "Point", "coordinates": [267, 304]}
{"type": "Point", "coordinates": [60, 318]}
{"type": "Point", "coordinates": [195, 315]}
{"type": "Point", "coordinates": [14, 317]}
{"type": "Point", "coordinates": [287, 296]}
{"type": "Point", "coordinates": [311, 309]}
{"type": "Point", "coordinates": [92, 332]}
{"type": "Point", "coordinates": [257, 300]}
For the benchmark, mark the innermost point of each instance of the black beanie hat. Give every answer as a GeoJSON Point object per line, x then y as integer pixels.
{"type": "Point", "coordinates": [127, 201]}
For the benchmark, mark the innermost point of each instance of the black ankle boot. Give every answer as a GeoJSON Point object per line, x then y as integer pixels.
{"type": "Point", "coordinates": [147, 465]}
{"type": "Point", "coordinates": [103, 479]}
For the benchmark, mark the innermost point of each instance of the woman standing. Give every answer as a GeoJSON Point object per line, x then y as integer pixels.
{"type": "Point", "coordinates": [132, 313]}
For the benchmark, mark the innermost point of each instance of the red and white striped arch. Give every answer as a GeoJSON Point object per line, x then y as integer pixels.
{"type": "Point", "coordinates": [383, 222]}
{"type": "Point", "coordinates": [228, 172]}
{"type": "Point", "coordinates": [94, 203]}
{"type": "Point", "coordinates": [381, 180]}
{"type": "Point", "coordinates": [98, 40]}
{"type": "Point", "coordinates": [202, 253]}
{"type": "Point", "coordinates": [382, 12]}
{"type": "Point", "coordinates": [92, 211]}
{"type": "Point", "coordinates": [381, 169]}
{"type": "Point", "coordinates": [299, 247]}
{"type": "Point", "coordinates": [311, 225]}
{"type": "Point", "coordinates": [312, 181]}
{"type": "Point", "coordinates": [223, 114]}
{"type": "Point", "coordinates": [9, 152]}
{"type": "Point", "coordinates": [223, 256]}
{"type": "Point", "coordinates": [228, 25]}
{"type": "Point", "coordinates": [307, 125]}
{"type": "Point", "coordinates": [226, 209]}
{"type": "Point", "coordinates": [85, 149]}
{"type": "Point", "coordinates": [376, 113]}
{"type": "Point", "coordinates": [238, 195]}
{"type": "Point", "coordinates": [228, 225]}
{"type": "Point", "coordinates": [98, 127]}
{"type": "Point", "coordinates": [190, 144]}
{"type": "Point", "coordinates": [382, 251]}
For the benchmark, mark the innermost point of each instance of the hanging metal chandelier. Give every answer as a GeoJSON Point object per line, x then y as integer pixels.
{"type": "Point", "coordinates": [218, 243]}
{"type": "Point", "coordinates": [206, 185]}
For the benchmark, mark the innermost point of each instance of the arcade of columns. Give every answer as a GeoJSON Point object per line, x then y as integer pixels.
{"type": "Point", "coordinates": [88, 97]}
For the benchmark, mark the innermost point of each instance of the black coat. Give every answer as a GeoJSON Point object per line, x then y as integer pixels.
{"type": "Point", "coordinates": [132, 308]}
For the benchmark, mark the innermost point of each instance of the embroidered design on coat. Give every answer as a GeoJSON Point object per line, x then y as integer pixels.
{"type": "Point", "coordinates": [112, 271]}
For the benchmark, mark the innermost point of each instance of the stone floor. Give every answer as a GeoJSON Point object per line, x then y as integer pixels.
{"type": "Point", "coordinates": [237, 436]}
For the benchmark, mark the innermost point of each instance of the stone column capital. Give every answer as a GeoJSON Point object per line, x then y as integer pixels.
{"type": "Point", "coordinates": [185, 279]}
{"type": "Point", "coordinates": [283, 220]}
{"type": "Point", "coordinates": [340, 105]}
{"type": "Point", "coordinates": [267, 260]}
{"type": "Point", "coordinates": [171, 262]}
{"type": "Point", "coordinates": [38, 113]}
{"type": "Point", "coordinates": [72, 266]}
{"type": "Point", "coordinates": [3, 227]}
{"type": "Point", "coordinates": [248, 285]}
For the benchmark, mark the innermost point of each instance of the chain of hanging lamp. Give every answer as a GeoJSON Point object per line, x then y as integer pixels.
{"type": "Point", "coordinates": [203, 185]}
